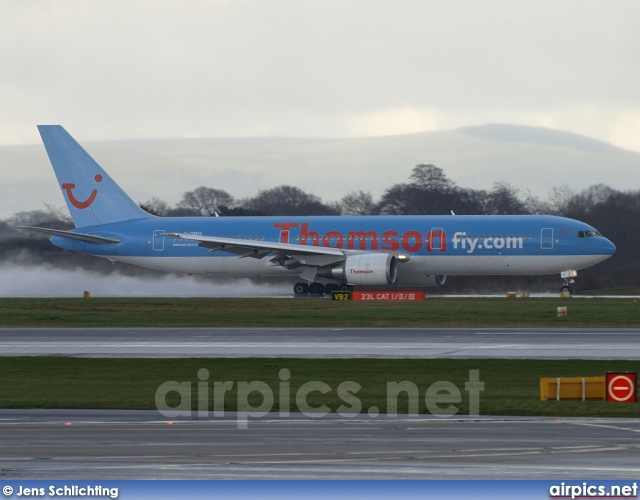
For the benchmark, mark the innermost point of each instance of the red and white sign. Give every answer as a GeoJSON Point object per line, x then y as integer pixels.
{"type": "Point", "coordinates": [387, 296]}
{"type": "Point", "coordinates": [621, 387]}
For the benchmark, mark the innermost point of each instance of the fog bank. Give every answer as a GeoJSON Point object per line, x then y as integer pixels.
{"type": "Point", "coordinates": [49, 281]}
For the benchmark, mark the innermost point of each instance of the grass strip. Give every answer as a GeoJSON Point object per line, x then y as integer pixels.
{"type": "Point", "coordinates": [259, 312]}
{"type": "Point", "coordinates": [511, 387]}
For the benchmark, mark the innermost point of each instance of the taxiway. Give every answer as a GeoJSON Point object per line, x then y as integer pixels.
{"type": "Point", "coordinates": [74, 444]}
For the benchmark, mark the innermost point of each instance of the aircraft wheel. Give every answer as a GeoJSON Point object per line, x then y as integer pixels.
{"type": "Point", "coordinates": [331, 287]}
{"type": "Point", "coordinates": [345, 288]}
{"type": "Point", "coordinates": [301, 289]}
{"type": "Point", "coordinates": [316, 289]}
{"type": "Point", "coordinates": [567, 288]}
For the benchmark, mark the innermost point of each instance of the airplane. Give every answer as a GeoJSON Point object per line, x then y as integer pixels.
{"type": "Point", "coordinates": [324, 253]}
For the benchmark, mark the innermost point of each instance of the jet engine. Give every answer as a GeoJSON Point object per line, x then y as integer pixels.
{"type": "Point", "coordinates": [366, 269]}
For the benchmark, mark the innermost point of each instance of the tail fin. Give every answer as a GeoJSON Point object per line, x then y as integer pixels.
{"type": "Point", "coordinates": [91, 195]}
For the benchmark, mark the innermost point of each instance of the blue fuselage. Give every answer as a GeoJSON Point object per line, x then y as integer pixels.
{"type": "Point", "coordinates": [435, 244]}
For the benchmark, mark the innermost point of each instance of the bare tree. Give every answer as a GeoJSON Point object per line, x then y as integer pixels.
{"type": "Point", "coordinates": [288, 200]}
{"type": "Point", "coordinates": [357, 203]}
{"type": "Point", "coordinates": [504, 199]}
{"type": "Point", "coordinates": [560, 199]}
{"type": "Point", "coordinates": [431, 192]}
{"type": "Point", "coordinates": [155, 206]}
{"type": "Point", "coordinates": [431, 177]}
{"type": "Point", "coordinates": [567, 202]}
{"type": "Point", "coordinates": [205, 201]}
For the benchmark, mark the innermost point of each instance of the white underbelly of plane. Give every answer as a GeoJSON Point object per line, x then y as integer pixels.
{"type": "Point", "coordinates": [228, 266]}
{"type": "Point", "coordinates": [501, 265]}
{"type": "Point", "coordinates": [423, 265]}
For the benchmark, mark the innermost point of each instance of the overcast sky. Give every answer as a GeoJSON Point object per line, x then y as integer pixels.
{"type": "Point", "coordinates": [128, 69]}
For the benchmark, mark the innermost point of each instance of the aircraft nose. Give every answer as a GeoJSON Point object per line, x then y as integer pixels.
{"type": "Point", "coordinates": [609, 247]}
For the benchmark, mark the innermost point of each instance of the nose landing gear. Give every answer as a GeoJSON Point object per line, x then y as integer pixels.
{"type": "Point", "coordinates": [567, 288]}
{"type": "Point", "coordinates": [567, 280]}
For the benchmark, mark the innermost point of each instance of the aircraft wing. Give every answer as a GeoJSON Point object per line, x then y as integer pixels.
{"type": "Point", "coordinates": [304, 254]}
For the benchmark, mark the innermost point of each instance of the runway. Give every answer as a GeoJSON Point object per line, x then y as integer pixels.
{"type": "Point", "coordinates": [73, 444]}
{"type": "Point", "coordinates": [512, 343]}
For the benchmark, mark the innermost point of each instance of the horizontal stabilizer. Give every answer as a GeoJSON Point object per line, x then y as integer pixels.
{"type": "Point", "coordinates": [89, 238]}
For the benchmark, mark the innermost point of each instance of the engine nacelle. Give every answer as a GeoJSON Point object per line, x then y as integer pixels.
{"type": "Point", "coordinates": [366, 269]}
{"type": "Point", "coordinates": [436, 280]}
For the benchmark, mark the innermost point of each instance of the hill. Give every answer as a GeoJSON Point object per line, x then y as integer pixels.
{"type": "Point", "coordinates": [531, 158]}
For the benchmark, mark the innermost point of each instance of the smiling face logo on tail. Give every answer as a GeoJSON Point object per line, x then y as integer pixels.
{"type": "Point", "coordinates": [68, 187]}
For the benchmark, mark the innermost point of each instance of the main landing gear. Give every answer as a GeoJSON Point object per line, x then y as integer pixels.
{"type": "Point", "coordinates": [319, 288]}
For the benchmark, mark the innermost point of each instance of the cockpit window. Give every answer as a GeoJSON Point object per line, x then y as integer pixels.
{"type": "Point", "coordinates": [589, 234]}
